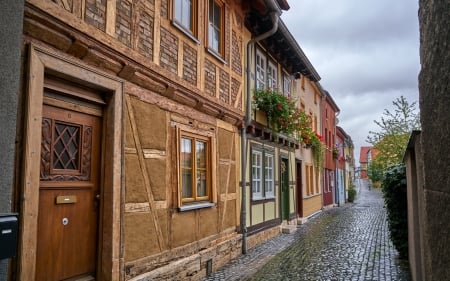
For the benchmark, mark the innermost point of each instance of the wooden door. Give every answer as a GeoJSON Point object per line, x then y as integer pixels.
{"type": "Point", "coordinates": [68, 195]}
{"type": "Point", "coordinates": [299, 184]}
{"type": "Point", "coordinates": [284, 188]}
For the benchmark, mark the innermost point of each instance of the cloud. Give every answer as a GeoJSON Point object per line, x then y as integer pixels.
{"type": "Point", "coordinates": [367, 53]}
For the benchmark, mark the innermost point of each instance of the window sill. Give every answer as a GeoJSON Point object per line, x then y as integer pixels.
{"type": "Point", "coordinates": [262, 200]}
{"type": "Point", "coordinates": [185, 31]}
{"type": "Point", "coordinates": [311, 195]}
{"type": "Point", "coordinates": [194, 206]}
{"type": "Point", "coordinates": [215, 54]}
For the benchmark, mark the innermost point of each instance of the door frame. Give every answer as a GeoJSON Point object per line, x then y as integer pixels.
{"type": "Point", "coordinates": [42, 62]}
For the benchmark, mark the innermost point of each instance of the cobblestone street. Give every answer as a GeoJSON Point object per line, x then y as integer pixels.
{"type": "Point", "coordinates": [350, 242]}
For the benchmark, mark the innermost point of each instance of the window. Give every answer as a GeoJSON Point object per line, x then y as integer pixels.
{"type": "Point", "coordinates": [195, 168]}
{"type": "Point", "coordinates": [269, 175]}
{"type": "Point", "coordinates": [315, 123]}
{"type": "Point", "coordinates": [309, 180]}
{"type": "Point", "coordinates": [312, 180]}
{"type": "Point", "coordinates": [271, 76]}
{"type": "Point", "coordinates": [263, 174]}
{"type": "Point", "coordinates": [185, 15]}
{"type": "Point", "coordinates": [216, 26]}
{"type": "Point", "coordinates": [316, 180]}
{"type": "Point", "coordinates": [287, 85]}
{"type": "Point", "coordinates": [260, 70]}
{"type": "Point", "coordinates": [257, 174]}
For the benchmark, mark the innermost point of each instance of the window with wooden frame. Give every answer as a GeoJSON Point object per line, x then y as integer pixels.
{"type": "Point", "coordinates": [185, 15]}
{"type": "Point", "coordinates": [263, 174]}
{"type": "Point", "coordinates": [307, 180]}
{"type": "Point", "coordinates": [216, 26]}
{"type": "Point", "coordinates": [312, 180]}
{"type": "Point", "coordinates": [315, 123]}
{"type": "Point", "coordinates": [195, 169]}
{"type": "Point", "coordinates": [316, 180]}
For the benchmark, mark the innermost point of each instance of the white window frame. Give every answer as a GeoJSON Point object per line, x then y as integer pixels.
{"type": "Point", "coordinates": [272, 76]}
{"type": "Point", "coordinates": [287, 85]}
{"type": "Point", "coordinates": [260, 65]}
{"type": "Point", "coordinates": [269, 175]}
{"type": "Point", "coordinates": [263, 174]}
{"type": "Point", "coordinates": [257, 174]}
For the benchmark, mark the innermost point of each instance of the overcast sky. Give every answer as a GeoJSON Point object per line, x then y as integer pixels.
{"type": "Point", "coordinates": [366, 52]}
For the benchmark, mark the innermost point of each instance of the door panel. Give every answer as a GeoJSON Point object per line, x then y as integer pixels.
{"type": "Point", "coordinates": [68, 192]}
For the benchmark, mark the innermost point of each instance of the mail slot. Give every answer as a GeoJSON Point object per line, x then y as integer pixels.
{"type": "Point", "coordinates": [8, 235]}
{"type": "Point", "coordinates": [66, 199]}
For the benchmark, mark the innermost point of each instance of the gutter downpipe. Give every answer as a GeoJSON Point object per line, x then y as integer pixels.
{"type": "Point", "coordinates": [275, 16]}
{"type": "Point", "coordinates": [336, 176]}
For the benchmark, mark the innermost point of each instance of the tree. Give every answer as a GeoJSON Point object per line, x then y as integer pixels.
{"type": "Point", "coordinates": [395, 128]}
{"type": "Point", "coordinates": [375, 171]}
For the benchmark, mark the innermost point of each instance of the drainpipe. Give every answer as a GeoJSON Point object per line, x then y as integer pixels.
{"type": "Point", "coordinates": [336, 175]}
{"type": "Point", "coordinates": [276, 12]}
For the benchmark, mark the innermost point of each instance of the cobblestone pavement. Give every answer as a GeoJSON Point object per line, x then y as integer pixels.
{"type": "Point", "coordinates": [350, 242]}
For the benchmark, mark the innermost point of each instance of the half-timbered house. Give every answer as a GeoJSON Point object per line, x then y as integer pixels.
{"type": "Point", "coordinates": [137, 153]}
{"type": "Point", "coordinates": [129, 146]}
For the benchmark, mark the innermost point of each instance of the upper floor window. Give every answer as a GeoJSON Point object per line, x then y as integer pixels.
{"type": "Point", "coordinates": [216, 26]}
{"type": "Point", "coordinates": [195, 168]}
{"type": "Point", "coordinates": [315, 123]}
{"type": "Point", "coordinates": [272, 76]}
{"type": "Point", "coordinates": [185, 15]}
{"type": "Point", "coordinates": [260, 70]}
{"type": "Point", "coordinates": [287, 85]}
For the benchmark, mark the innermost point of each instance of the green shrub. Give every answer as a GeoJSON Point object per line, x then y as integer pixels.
{"type": "Point", "coordinates": [395, 200]}
{"type": "Point", "coordinates": [351, 193]}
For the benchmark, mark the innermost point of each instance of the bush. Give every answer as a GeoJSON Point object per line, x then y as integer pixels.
{"type": "Point", "coordinates": [395, 200]}
{"type": "Point", "coordinates": [351, 193]}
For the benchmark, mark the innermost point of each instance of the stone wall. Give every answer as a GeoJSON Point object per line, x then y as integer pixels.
{"type": "Point", "coordinates": [434, 103]}
{"type": "Point", "coordinates": [11, 16]}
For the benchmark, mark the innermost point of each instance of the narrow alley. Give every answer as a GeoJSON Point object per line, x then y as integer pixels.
{"type": "Point", "coordinates": [350, 242]}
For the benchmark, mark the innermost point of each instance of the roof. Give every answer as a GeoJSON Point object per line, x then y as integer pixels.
{"type": "Point", "coordinates": [283, 4]}
{"type": "Point", "coordinates": [281, 45]}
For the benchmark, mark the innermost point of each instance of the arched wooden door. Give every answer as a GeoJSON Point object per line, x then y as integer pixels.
{"type": "Point", "coordinates": [69, 193]}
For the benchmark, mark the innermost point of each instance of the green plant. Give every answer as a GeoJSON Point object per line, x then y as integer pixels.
{"type": "Point", "coordinates": [283, 116]}
{"type": "Point", "coordinates": [335, 152]}
{"type": "Point", "coordinates": [318, 152]}
{"type": "Point", "coordinates": [394, 192]}
{"type": "Point", "coordinates": [351, 193]}
{"type": "Point", "coordinates": [277, 107]}
{"type": "Point", "coordinates": [281, 112]}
